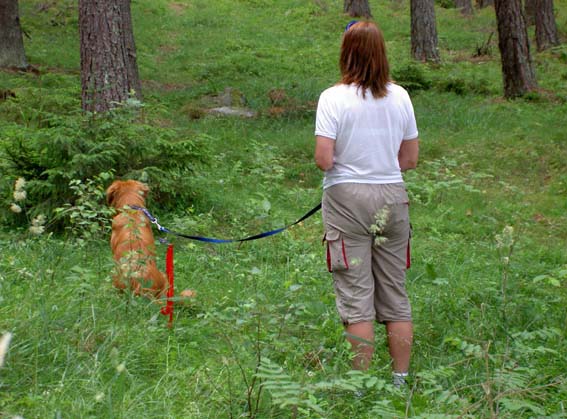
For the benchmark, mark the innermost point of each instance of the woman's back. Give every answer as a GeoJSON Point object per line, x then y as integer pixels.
{"type": "Point", "coordinates": [368, 133]}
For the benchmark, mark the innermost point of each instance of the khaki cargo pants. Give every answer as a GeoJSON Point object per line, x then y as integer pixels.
{"type": "Point", "coordinates": [367, 232]}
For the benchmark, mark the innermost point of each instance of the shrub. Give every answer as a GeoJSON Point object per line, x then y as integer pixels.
{"type": "Point", "coordinates": [446, 4]}
{"type": "Point", "coordinates": [411, 77]}
{"type": "Point", "coordinates": [463, 86]}
{"type": "Point", "coordinates": [77, 147]}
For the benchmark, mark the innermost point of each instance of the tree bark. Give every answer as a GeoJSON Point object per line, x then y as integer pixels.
{"type": "Point", "coordinates": [545, 25]}
{"type": "Point", "coordinates": [484, 3]}
{"type": "Point", "coordinates": [108, 55]}
{"type": "Point", "coordinates": [11, 40]}
{"type": "Point", "coordinates": [530, 11]}
{"type": "Point", "coordinates": [130, 45]}
{"type": "Point", "coordinates": [357, 8]}
{"type": "Point", "coordinates": [517, 67]}
{"type": "Point", "coordinates": [424, 31]}
{"type": "Point", "coordinates": [465, 6]}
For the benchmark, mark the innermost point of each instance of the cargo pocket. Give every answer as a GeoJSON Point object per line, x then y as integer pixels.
{"type": "Point", "coordinates": [336, 251]}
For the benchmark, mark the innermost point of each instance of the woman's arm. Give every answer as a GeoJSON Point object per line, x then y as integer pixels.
{"type": "Point", "coordinates": [324, 152]}
{"type": "Point", "coordinates": [408, 154]}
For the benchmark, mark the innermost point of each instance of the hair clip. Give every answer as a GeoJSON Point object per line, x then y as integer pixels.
{"type": "Point", "coordinates": [352, 22]}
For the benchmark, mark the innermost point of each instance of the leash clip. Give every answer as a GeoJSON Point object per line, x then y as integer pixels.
{"type": "Point", "coordinates": [152, 219]}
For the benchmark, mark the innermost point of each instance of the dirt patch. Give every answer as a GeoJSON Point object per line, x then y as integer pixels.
{"type": "Point", "coordinates": [164, 87]}
{"type": "Point", "coordinates": [178, 8]}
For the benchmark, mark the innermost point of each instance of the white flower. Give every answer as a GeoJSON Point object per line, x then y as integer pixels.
{"type": "Point", "coordinates": [20, 195]}
{"type": "Point", "coordinates": [120, 368]}
{"type": "Point", "coordinates": [15, 208]}
{"type": "Point", "coordinates": [380, 240]}
{"type": "Point", "coordinates": [506, 239]}
{"type": "Point", "coordinates": [380, 221]}
{"type": "Point", "coordinates": [4, 343]}
{"type": "Point", "coordinates": [20, 184]}
{"type": "Point", "coordinates": [39, 220]}
{"type": "Point", "coordinates": [37, 229]}
{"type": "Point", "coordinates": [99, 397]}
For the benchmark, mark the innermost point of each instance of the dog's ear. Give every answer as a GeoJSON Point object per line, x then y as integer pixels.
{"type": "Point", "coordinates": [111, 193]}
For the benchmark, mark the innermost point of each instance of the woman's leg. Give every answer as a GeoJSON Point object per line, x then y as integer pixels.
{"type": "Point", "coordinates": [400, 337]}
{"type": "Point", "coordinates": [361, 337]}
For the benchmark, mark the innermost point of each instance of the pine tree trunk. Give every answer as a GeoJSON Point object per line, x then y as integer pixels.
{"type": "Point", "coordinates": [108, 61]}
{"type": "Point", "coordinates": [530, 11]}
{"type": "Point", "coordinates": [517, 68]}
{"type": "Point", "coordinates": [11, 41]}
{"type": "Point", "coordinates": [465, 6]}
{"type": "Point", "coordinates": [357, 8]}
{"type": "Point", "coordinates": [131, 61]}
{"type": "Point", "coordinates": [424, 31]}
{"type": "Point", "coordinates": [546, 28]}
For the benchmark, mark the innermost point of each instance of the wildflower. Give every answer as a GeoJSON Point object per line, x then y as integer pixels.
{"type": "Point", "coordinates": [19, 192]}
{"type": "Point", "coordinates": [20, 184]}
{"type": "Point", "coordinates": [37, 226]}
{"type": "Point", "coordinates": [380, 240]}
{"type": "Point", "coordinates": [39, 220]}
{"type": "Point", "coordinates": [99, 397]}
{"type": "Point", "coordinates": [120, 368]}
{"type": "Point", "coordinates": [15, 208]}
{"type": "Point", "coordinates": [20, 195]}
{"type": "Point", "coordinates": [4, 343]}
{"type": "Point", "coordinates": [506, 239]}
{"type": "Point", "coordinates": [380, 221]}
{"type": "Point", "coordinates": [37, 230]}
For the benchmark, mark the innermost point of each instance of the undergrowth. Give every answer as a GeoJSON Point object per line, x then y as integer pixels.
{"type": "Point", "coordinates": [488, 281]}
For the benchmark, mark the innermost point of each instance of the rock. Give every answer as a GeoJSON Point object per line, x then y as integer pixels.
{"type": "Point", "coordinates": [228, 111]}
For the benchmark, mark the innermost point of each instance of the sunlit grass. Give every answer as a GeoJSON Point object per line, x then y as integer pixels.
{"type": "Point", "coordinates": [80, 349]}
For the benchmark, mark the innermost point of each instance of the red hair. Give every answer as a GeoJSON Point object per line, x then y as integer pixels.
{"type": "Point", "coordinates": [363, 59]}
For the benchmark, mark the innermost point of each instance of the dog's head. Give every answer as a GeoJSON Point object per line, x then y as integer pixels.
{"type": "Point", "coordinates": [126, 192]}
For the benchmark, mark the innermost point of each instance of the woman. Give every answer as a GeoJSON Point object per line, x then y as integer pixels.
{"type": "Point", "coordinates": [366, 136]}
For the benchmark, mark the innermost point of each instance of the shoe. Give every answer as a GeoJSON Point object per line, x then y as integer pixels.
{"type": "Point", "coordinates": [399, 379]}
{"type": "Point", "coordinates": [360, 394]}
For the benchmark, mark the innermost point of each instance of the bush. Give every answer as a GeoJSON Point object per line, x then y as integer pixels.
{"type": "Point", "coordinates": [61, 149]}
{"type": "Point", "coordinates": [462, 86]}
{"type": "Point", "coordinates": [411, 77]}
{"type": "Point", "coordinates": [446, 4]}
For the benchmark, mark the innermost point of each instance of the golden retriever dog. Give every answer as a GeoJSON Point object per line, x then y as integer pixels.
{"type": "Point", "coordinates": [132, 241]}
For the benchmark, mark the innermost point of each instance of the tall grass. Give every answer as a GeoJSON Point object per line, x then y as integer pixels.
{"type": "Point", "coordinates": [262, 339]}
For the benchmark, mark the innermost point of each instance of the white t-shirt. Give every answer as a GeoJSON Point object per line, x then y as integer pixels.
{"type": "Point", "coordinates": [368, 133]}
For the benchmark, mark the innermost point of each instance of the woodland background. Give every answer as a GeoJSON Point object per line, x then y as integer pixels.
{"type": "Point", "coordinates": [488, 282]}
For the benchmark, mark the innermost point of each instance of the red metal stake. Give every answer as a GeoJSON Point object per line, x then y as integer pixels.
{"type": "Point", "coordinates": [168, 309]}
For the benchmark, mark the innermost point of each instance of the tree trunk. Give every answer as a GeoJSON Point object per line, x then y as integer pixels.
{"type": "Point", "coordinates": [545, 26]}
{"type": "Point", "coordinates": [465, 6]}
{"type": "Point", "coordinates": [484, 3]}
{"type": "Point", "coordinates": [130, 45]}
{"type": "Point", "coordinates": [517, 68]}
{"type": "Point", "coordinates": [530, 11]}
{"type": "Point", "coordinates": [108, 54]}
{"type": "Point", "coordinates": [357, 8]}
{"type": "Point", "coordinates": [11, 41]}
{"type": "Point", "coordinates": [423, 31]}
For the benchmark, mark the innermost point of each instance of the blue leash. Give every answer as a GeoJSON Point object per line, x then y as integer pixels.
{"type": "Point", "coordinates": [163, 229]}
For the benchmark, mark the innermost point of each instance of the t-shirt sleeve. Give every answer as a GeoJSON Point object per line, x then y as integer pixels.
{"type": "Point", "coordinates": [326, 122]}
{"type": "Point", "coordinates": [410, 132]}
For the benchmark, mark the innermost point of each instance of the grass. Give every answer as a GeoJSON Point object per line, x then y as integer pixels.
{"type": "Point", "coordinates": [490, 323]}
